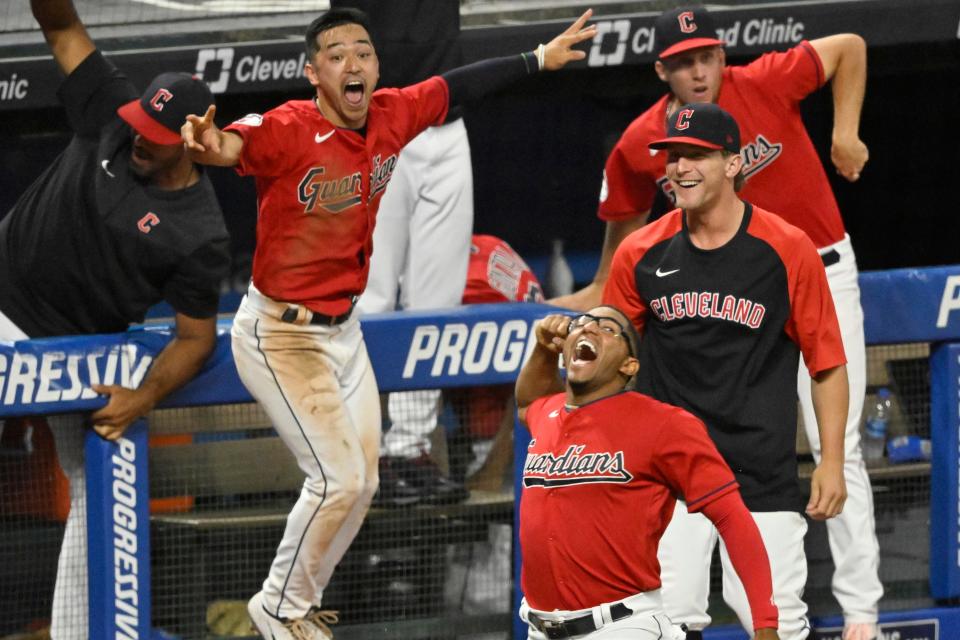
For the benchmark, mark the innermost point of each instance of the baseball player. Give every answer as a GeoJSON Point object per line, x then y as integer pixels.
{"type": "Point", "coordinates": [321, 167]}
{"type": "Point", "coordinates": [783, 174]}
{"type": "Point", "coordinates": [121, 220]}
{"type": "Point", "coordinates": [603, 469]}
{"type": "Point", "coordinates": [727, 295]}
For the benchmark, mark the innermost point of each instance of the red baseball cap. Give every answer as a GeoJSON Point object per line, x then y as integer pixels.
{"type": "Point", "coordinates": [682, 29]}
{"type": "Point", "coordinates": [159, 113]}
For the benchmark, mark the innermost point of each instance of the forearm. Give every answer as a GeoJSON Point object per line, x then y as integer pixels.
{"type": "Point", "coordinates": [224, 151]}
{"type": "Point", "coordinates": [540, 376]}
{"type": "Point", "coordinates": [472, 82]}
{"type": "Point", "coordinates": [748, 555]}
{"type": "Point", "coordinates": [179, 361]}
{"type": "Point", "coordinates": [54, 15]}
{"type": "Point", "coordinates": [64, 32]}
{"type": "Point", "coordinates": [848, 86]}
{"type": "Point", "coordinates": [831, 398]}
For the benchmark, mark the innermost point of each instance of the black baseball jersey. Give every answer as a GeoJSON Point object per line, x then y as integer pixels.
{"type": "Point", "coordinates": [722, 333]}
{"type": "Point", "coordinates": [89, 247]}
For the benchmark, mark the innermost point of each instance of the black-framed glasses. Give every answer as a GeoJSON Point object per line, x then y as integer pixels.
{"type": "Point", "coordinates": [610, 326]}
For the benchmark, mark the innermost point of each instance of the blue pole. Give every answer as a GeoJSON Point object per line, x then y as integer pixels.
{"type": "Point", "coordinates": [118, 535]}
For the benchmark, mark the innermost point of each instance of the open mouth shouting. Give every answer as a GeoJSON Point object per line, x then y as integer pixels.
{"type": "Point", "coordinates": [354, 93]}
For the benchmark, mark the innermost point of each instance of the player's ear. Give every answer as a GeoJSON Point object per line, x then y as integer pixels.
{"type": "Point", "coordinates": [629, 366]}
{"type": "Point", "coordinates": [733, 165]}
{"type": "Point", "coordinates": [661, 70]}
{"type": "Point", "coordinates": [311, 73]}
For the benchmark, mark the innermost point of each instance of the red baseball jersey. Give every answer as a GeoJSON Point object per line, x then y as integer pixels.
{"type": "Point", "coordinates": [784, 173]}
{"type": "Point", "coordinates": [497, 273]}
{"type": "Point", "coordinates": [599, 486]}
{"type": "Point", "coordinates": [319, 188]}
{"type": "Point", "coordinates": [722, 333]}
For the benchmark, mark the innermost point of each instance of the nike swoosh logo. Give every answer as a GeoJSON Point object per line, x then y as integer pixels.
{"type": "Point", "coordinates": [104, 165]}
{"type": "Point", "coordinates": [319, 138]}
{"type": "Point", "coordinates": [661, 274]}
{"type": "Point", "coordinates": [554, 413]}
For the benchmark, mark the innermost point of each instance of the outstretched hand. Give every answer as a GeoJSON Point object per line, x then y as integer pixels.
{"type": "Point", "coordinates": [200, 133]}
{"type": "Point", "coordinates": [560, 51]}
{"type": "Point", "coordinates": [551, 332]}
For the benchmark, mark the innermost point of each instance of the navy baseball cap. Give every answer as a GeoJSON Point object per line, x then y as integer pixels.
{"type": "Point", "coordinates": [163, 108]}
{"type": "Point", "coordinates": [682, 29]}
{"type": "Point", "coordinates": [701, 124]}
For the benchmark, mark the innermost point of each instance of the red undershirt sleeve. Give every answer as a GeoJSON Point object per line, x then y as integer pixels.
{"type": "Point", "coordinates": [748, 554]}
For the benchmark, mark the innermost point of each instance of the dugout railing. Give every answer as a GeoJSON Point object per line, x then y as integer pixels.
{"type": "Point", "coordinates": [201, 540]}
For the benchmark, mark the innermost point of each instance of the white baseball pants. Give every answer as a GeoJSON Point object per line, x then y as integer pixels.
{"type": "Point", "coordinates": [421, 252]}
{"type": "Point", "coordinates": [648, 622]}
{"type": "Point", "coordinates": [686, 550]}
{"type": "Point", "coordinates": [316, 384]}
{"type": "Point", "coordinates": [852, 534]}
{"type": "Point", "coordinates": [70, 611]}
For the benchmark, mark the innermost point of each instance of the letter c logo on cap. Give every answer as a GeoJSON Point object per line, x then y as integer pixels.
{"type": "Point", "coordinates": [683, 119]}
{"type": "Point", "coordinates": [160, 98]}
{"type": "Point", "coordinates": [687, 25]}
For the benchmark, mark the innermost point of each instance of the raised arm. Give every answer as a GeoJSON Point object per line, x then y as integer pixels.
{"type": "Point", "coordinates": [207, 143]}
{"type": "Point", "coordinates": [844, 58]}
{"type": "Point", "coordinates": [473, 82]}
{"type": "Point", "coordinates": [540, 375]}
{"type": "Point", "coordinates": [831, 397]}
{"type": "Point", "coordinates": [591, 295]}
{"type": "Point", "coordinates": [64, 32]}
{"type": "Point", "coordinates": [179, 361]}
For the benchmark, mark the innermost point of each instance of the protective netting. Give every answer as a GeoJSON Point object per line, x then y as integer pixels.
{"type": "Point", "coordinates": [416, 570]}
{"type": "Point", "coordinates": [901, 493]}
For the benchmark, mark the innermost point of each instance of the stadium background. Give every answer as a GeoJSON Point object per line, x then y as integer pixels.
{"type": "Point", "coordinates": [554, 131]}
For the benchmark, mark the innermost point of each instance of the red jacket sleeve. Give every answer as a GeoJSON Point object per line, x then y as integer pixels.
{"type": "Point", "coordinates": [627, 190]}
{"type": "Point", "coordinates": [813, 323]}
{"type": "Point", "coordinates": [621, 288]}
{"type": "Point", "coordinates": [748, 555]}
{"type": "Point", "coordinates": [264, 152]}
{"type": "Point", "coordinates": [689, 462]}
{"type": "Point", "coordinates": [788, 75]}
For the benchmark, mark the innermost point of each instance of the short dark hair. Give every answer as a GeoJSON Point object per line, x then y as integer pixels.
{"type": "Point", "coordinates": [330, 19]}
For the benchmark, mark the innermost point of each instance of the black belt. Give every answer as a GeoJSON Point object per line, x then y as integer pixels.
{"type": "Point", "coordinates": [830, 258]}
{"type": "Point", "coordinates": [290, 315]}
{"type": "Point", "coordinates": [575, 626]}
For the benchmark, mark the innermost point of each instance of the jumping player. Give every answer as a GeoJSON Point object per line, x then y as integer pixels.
{"type": "Point", "coordinates": [727, 296]}
{"type": "Point", "coordinates": [121, 220]}
{"type": "Point", "coordinates": [601, 477]}
{"type": "Point", "coordinates": [784, 175]}
{"type": "Point", "coordinates": [321, 167]}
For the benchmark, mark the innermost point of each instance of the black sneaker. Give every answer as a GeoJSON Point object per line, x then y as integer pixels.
{"type": "Point", "coordinates": [423, 474]}
{"type": "Point", "coordinates": [395, 491]}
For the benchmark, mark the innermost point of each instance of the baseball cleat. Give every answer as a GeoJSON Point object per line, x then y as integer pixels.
{"type": "Point", "coordinates": [270, 627]}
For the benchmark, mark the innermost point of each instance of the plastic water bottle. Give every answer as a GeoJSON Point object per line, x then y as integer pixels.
{"type": "Point", "coordinates": [875, 429]}
{"type": "Point", "coordinates": [559, 275]}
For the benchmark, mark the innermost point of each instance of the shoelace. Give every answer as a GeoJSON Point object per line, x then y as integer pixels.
{"type": "Point", "coordinates": [320, 618]}
{"type": "Point", "coordinates": [300, 629]}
